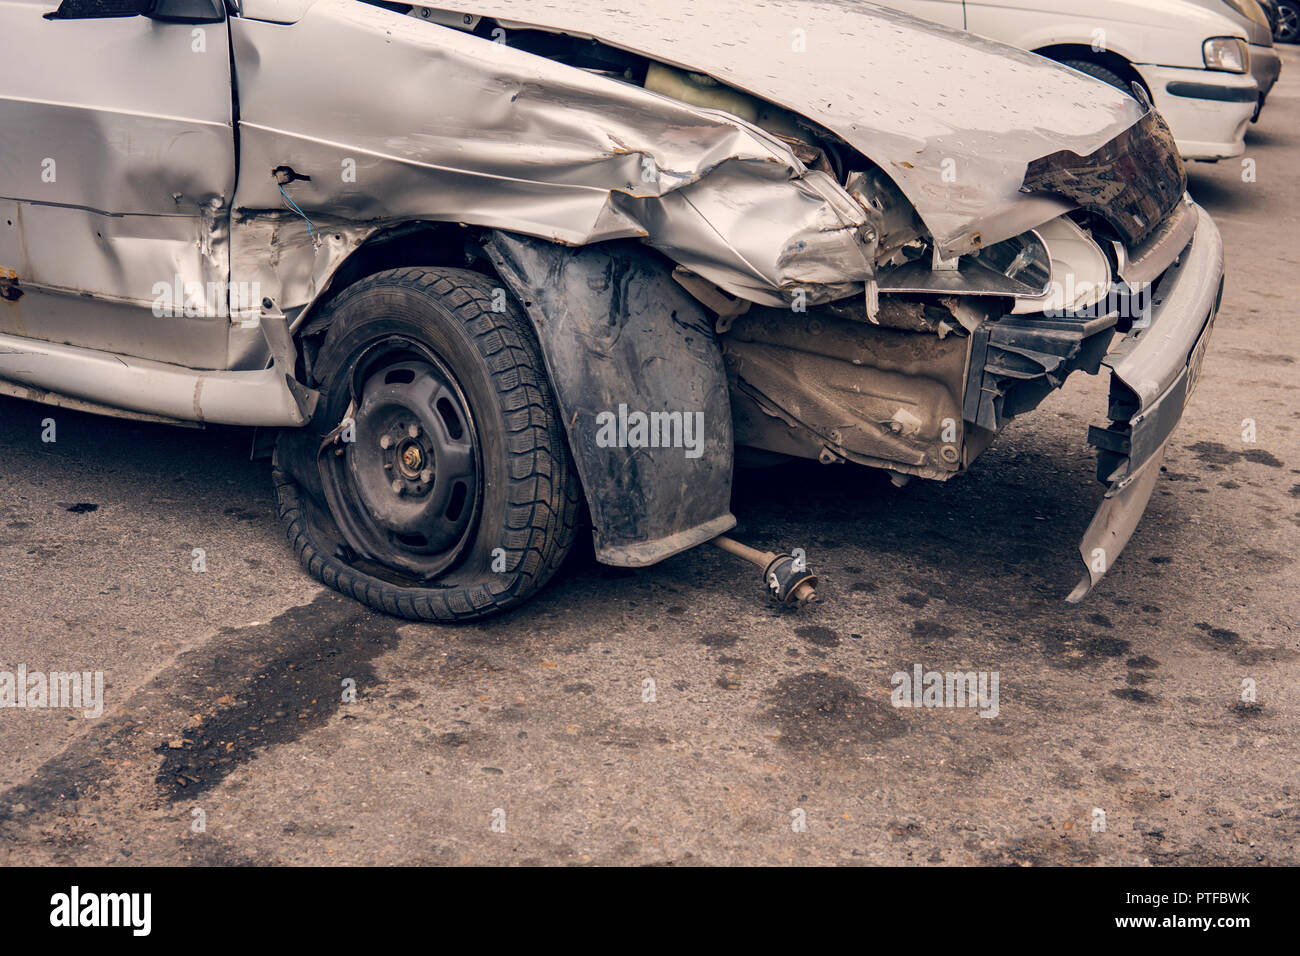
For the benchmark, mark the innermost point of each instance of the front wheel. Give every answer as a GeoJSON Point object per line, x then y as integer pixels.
{"type": "Point", "coordinates": [445, 487]}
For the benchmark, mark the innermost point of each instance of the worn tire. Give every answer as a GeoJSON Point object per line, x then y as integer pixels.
{"type": "Point", "coordinates": [1100, 73]}
{"type": "Point", "coordinates": [529, 496]}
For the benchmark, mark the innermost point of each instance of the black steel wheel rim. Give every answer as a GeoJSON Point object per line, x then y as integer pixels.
{"type": "Point", "coordinates": [411, 479]}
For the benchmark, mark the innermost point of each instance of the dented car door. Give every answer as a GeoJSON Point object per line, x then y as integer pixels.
{"type": "Point", "coordinates": [116, 171]}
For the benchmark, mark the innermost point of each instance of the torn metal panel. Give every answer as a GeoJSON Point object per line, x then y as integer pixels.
{"type": "Point", "coordinates": [472, 131]}
{"type": "Point", "coordinates": [622, 339]}
{"type": "Point", "coordinates": [712, 226]}
{"type": "Point", "coordinates": [910, 95]}
{"type": "Point", "coordinates": [278, 258]}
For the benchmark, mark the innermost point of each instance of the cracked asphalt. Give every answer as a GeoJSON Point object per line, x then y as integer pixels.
{"type": "Point", "coordinates": [536, 737]}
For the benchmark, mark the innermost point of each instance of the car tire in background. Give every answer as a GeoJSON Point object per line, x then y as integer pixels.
{"type": "Point", "coordinates": [1288, 22]}
{"type": "Point", "coordinates": [1100, 73]}
{"type": "Point", "coordinates": [452, 496]}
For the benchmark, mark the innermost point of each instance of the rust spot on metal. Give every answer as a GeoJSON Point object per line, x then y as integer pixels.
{"type": "Point", "coordinates": [9, 290]}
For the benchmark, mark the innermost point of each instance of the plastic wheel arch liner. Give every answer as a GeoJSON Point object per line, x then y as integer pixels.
{"type": "Point", "coordinates": [622, 339]}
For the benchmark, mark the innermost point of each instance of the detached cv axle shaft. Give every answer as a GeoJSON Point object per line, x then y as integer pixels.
{"type": "Point", "coordinates": [782, 576]}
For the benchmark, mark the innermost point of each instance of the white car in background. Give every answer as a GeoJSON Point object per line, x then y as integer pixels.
{"type": "Point", "coordinates": [1265, 64]}
{"type": "Point", "coordinates": [1193, 63]}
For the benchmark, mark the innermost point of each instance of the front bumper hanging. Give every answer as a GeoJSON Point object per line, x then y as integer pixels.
{"type": "Point", "coordinates": [1154, 371]}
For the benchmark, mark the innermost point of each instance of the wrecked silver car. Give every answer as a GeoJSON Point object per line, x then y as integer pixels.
{"type": "Point", "coordinates": [466, 270]}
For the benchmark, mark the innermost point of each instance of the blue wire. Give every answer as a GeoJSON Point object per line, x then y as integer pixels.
{"type": "Point", "coordinates": [296, 209]}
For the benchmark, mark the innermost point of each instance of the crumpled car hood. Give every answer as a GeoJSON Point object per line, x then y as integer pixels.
{"type": "Point", "coordinates": [953, 118]}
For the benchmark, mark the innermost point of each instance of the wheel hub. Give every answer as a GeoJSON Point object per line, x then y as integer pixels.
{"type": "Point", "coordinates": [410, 481]}
{"type": "Point", "coordinates": [412, 458]}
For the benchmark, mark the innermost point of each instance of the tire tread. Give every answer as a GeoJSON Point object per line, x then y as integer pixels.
{"type": "Point", "coordinates": [543, 500]}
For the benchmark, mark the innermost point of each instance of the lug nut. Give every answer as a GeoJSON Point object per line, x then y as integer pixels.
{"type": "Point", "coordinates": [427, 475]}
{"type": "Point", "coordinates": [413, 430]}
{"type": "Point", "coordinates": [397, 486]}
{"type": "Point", "coordinates": [385, 442]}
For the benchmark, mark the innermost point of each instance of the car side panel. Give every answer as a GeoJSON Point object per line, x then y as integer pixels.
{"type": "Point", "coordinates": [116, 172]}
{"type": "Point", "coordinates": [1167, 32]}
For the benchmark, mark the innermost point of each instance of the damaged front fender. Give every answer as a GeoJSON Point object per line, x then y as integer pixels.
{"type": "Point", "coordinates": [427, 123]}
{"type": "Point", "coordinates": [914, 97]}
